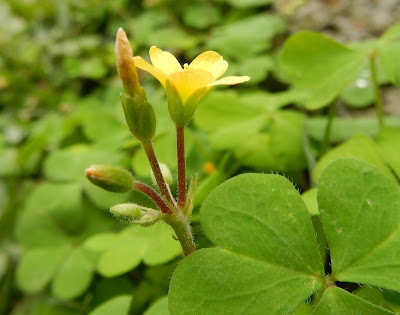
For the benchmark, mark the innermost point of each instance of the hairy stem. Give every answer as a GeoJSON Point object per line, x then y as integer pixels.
{"type": "Point", "coordinates": [153, 195]}
{"type": "Point", "coordinates": [162, 186]}
{"type": "Point", "coordinates": [328, 128]}
{"type": "Point", "coordinates": [377, 90]}
{"type": "Point", "coordinates": [180, 149]}
{"type": "Point", "coordinates": [183, 230]}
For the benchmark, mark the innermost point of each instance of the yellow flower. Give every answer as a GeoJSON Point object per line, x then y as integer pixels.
{"type": "Point", "coordinates": [186, 86]}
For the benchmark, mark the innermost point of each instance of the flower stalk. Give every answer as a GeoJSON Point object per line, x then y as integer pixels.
{"type": "Point", "coordinates": [153, 195]}
{"type": "Point", "coordinates": [155, 166]}
{"type": "Point", "coordinates": [180, 149]}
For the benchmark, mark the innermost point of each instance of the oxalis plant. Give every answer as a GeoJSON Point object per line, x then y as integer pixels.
{"type": "Point", "coordinates": [184, 87]}
{"type": "Point", "coordinates": [340, 254]}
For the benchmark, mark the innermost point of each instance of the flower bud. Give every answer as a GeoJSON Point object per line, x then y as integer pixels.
{"type": "Point", "coordinates": [125, 64]}
{"type": "Point", "coordinates": [166, 173]}
{"type": "Point", "coordinates": [140, 116]}
{"type": "Point", "coordinates": [136, 214]}
{"type": "Point", "coordinates": [110, 178]}
{"type": "Point", "coordinates": [126, 211]}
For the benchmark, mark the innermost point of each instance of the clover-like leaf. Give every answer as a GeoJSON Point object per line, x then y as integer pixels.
{"type": "Point", "coordinates": [360, 211]}
{"type": "Point", "coordinates": [69, 164]}
{"type": "Point", "coordinates": [38, 266]}
{"type": "Point", "coordinates": [344, 128]}
{"type": "Point", "coordinates": [389, 144]}
{"type": "Point", "coordinates": [336, 301]}
{"type": "Point", "coordinates": [74, 275]}
{"type": "Point", "coordinates": [160, 307]}
{"type": "Point", "coordinates": [266, 252]}
{"type": "Point", "coordinates": [360, 147]}
{"type": "Point", "coordinates": [119, 253]}
{"type": "Point", "coordinates": [316, 63]}
{"type": "Point", "coordinates": [116, 305]}
{"type": "Point", "coordinates": [254, 129]}
{"type": "Point", "coordinates": [233, 40]}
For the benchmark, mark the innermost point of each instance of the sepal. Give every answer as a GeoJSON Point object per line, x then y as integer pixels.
{"type": "Point", "coordinates": [139, 115]}
{"type": "Point", "coordinates": [188, 208]}
{"type": "Point", "coordinates": [136, 214]}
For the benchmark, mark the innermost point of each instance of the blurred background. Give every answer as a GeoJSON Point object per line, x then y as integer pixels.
{"type": "Point", "coordinates": [61, 252]}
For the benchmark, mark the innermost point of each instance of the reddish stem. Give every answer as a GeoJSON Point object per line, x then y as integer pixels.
{"type": "Point", "coordinates": [151, 155]}
{"type": "Point", "coordinates": [180, 149]}
{"type": "Point", "coordinates": [153, 195]}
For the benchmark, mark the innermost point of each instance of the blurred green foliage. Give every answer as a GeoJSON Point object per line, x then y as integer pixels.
{"type": "Point", "coordinates": [60, 113]}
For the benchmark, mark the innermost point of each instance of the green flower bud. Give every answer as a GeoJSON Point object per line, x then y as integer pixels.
{"type": "Point", "coordinates": [126, 211]}
{"type": "Point", "coordinates": [136, 214]}
{"type": "Point", "coordinates": [110, 178]}
{"type": "Point", "coordinates": [166, 173]}
{"type": "Point", "coordinates": [139, 115]}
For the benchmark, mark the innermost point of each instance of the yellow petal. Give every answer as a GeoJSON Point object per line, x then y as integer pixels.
{"type": "Point", "coordinates": [164, 61]}
{"type": "Point", "coordinates": [188, 81]}
{"type": "Point", "coordinates": [144, 65]}
{"type": "Point", "coordinates": [230, 80]}
{"type": "Point", "coordinates": [210, 61]}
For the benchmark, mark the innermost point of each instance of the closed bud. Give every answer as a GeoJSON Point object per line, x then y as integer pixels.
{"type": "Point", "coordinates": [110, 178]}
{"type": "Point", "coordinates": [125, 64]}
{"type": "Point", "coordinates": [140, 116]}
{"type": "Point", "coordinates": [166, 173]}
{"type": "Point", "coordinates": [136, 214]}
{"type": "Point", "coordinates": [126, 211]}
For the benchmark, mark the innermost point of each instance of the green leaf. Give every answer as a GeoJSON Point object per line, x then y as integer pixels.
{"type": "Point", "coordinates": [104, 199]}
{"type": "Point", "coordinates": [359, 92]}
{"type": "Point", "coordinates": [101, 241]}
{"type": "Point", "coordinates": [201, 15]}
{"type": "Point", "coordinates": [389, 144]}
{"type": "Point", "coordinates": [389, 56]}
{"type": "Point", "coordinates": [373, 295]}
{"type": "Point", "coordinates": [108, 288]}
{"type": "Point", "coordinates": [273, 141]}
{"type": "Point", "coordinates": [61, 202]}
{"type": "Point", "coordinates": [235, 41]}
{"type": "Point", "coordinates": [393, 299]}
{"type": "Point", "coordinates": [336, 301]}
{"type": "Point", "coordinates": [343, 129]}
{"type": "Point", "coordinates": [360, 211]}
{"type": "Point", "coordinates": [392, 33]}
{"type": "Point", "coordinates": [8, 162]}
{"type": "Point", "coordinates": [310, 200]}
{"type": "Point", "coordinates": [74, 276]}
{"type": "Point", "coordinates": [69, 164]}
{"type": "Point", "coordinates": [257, 68]}
{"type": "Point", "coordinates": [249, 3]}
{"type": "Point", "coordinates": [38, 266]}
{"type": "Point", "coordinates": [118, 306]}
{"type": "Point", "coordinates": [360, 147]}
{"type": "Point", "coordinates": [266, 252]}
{"type": "Point", "coordinates": [34, 228]}
{"type": "Point", "coordinates": [316, 63]}
{"type": "Point", "coordinates": [102, 124]}
{"type": "Point", "coordinates": [160, 307]}
{"type": "Point", "coordinates": [214, 113]}
{"type": "Point", "coordinates": [133, 245]}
